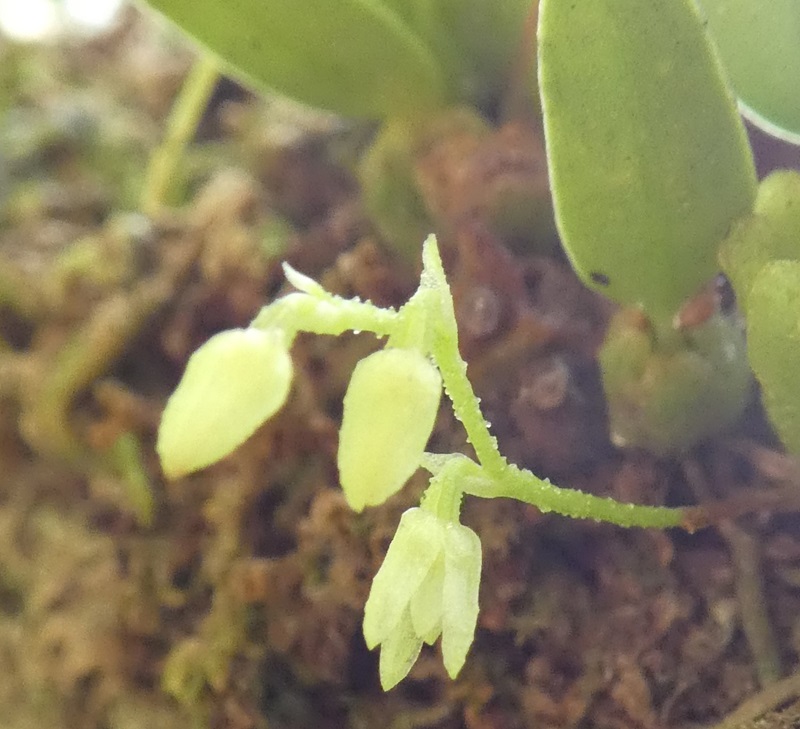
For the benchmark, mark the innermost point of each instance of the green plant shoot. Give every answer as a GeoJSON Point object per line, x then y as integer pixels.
{"type": "Point", "coordinates": [422, 353]}
{"type": "Point", "coordinates": [650, 170]}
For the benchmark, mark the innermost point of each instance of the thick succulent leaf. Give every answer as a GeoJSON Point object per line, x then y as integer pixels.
{"type": "Point", "coordinates": [488, 37]}
{"type": "Point", "coordinates": [771, 233]}
{"type": "Point", "coordinates": [759, 42]}
{"type": "Point", "coordinates": [773, 338]}
{"type": "Point", "coordinates": [648, 158]}
{"type": "Point", "coordinates": [354, 57]}
{"type": "Point", "coordinates": [235, 382]}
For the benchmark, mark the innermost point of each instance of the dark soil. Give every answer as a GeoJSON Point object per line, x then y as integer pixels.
{"type": "Point", "coordinates": [234, 598]}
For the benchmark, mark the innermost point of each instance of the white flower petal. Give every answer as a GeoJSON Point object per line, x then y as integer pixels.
{"type": "Point", "coordinates": [462, 555]}
{"type": "Point", "coordinates": [426, 604]}
{"type": "Point", "coordinates": [411, 554]}
{"type": "Point", "coordinates": [399, 652]}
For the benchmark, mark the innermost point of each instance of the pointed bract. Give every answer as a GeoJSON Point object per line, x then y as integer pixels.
{"type": "Point", "coordinates": [398, 653]}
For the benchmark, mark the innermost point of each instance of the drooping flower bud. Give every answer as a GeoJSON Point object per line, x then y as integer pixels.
{"type": "Point", "coordinates": [389, 410]}
{"type": "Point", "coordinates": [427, 586]}
{"type": "Point", "coordinates": [235, 382]}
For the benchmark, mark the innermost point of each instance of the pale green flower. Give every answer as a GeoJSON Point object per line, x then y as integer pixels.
{"type": "Point", "coordinates": [389, 411]}
{"type": "Point", "coordinates": [426, 587]}
{"type": "Point", "coordinates": [235, 382]}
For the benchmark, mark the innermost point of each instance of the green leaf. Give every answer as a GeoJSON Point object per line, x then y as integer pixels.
{"type": "Point", "coordinates": [773, 338]}
{"type": "Point", "coordinates": [353, 57]}
{"type": "Point", "coordinates": [235, 382]}
{"type": "Point", "coordinates": [759, 42]}
{"type": "Point", "coordinates": [477, 40]}
{"type": "Point", "coordinates": [648, 158]}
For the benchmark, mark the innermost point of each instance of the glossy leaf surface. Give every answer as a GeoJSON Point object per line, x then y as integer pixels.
{"type": "Point", "coordinates": [355, 57]}
{"type": "Point", "coordinates": [759, 42]}
{"type": "Point", "coordinates": [648, 158]}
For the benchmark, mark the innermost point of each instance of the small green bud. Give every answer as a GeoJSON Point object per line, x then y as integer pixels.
{"type": "Point", "coordinates": [235, 382]}
{"type": "Point", "coordinates": [389, 410]}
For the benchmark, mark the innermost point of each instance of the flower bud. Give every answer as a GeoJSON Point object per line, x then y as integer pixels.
{"type": "Point", "coordinates": [389, 410]}
{"type": "Point", "coordinates": [427, 586]}
{"type": "Point", "coordinates": [236, 381]}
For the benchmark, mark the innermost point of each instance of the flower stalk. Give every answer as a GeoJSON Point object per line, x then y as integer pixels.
{"type": "Point", "coordinates": [428, 584]}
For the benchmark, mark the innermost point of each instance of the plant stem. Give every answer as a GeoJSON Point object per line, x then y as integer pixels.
{"type": "Point", "coordinates": [181, 126]}
{"type": "Point", "coordinates": [454, 370]}
{"type": "Point", "coordinates": [522, 485]}
{"type": "Point", "coordinates": [497, 477]}
{"type": "Point", "coordinates": [312, 309]}
{"type": "Point", "coordinates": [327, 315]}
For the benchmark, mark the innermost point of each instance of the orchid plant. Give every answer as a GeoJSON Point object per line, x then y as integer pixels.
{"type": "Point", "coordinates": [652, 180]}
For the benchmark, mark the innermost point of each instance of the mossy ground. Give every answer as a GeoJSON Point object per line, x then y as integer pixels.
{"type": "Point", "coordinates": [240, 590]}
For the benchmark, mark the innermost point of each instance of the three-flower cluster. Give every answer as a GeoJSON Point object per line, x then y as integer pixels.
{"type": "Point", "coordinates": [428, 584]}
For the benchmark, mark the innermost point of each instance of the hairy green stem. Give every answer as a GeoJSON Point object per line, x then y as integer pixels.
{"type": "Point", "coordinates": [454, 370]}
{"type": "Point", "coordinates": [181, 126]}
{"type": "Point", "coordinates": [506, 480]}
{"type": "Point", "coordinates": [328, 315]}
{"type": "Point", "coordinates": [427, 322]}
{"type": "Point", "coordinates": [522, 485]}
{"type": "Point", "coordinates": [516, 483]}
